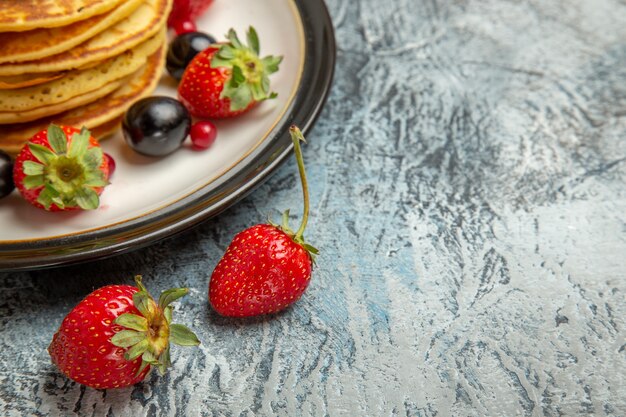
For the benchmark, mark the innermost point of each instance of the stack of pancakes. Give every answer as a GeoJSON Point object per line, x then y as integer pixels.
{"type": "Point", "coordinates": [76, 62]}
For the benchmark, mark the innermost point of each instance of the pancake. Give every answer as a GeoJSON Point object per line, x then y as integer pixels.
{"type": "Point", "coordinates": [12, 82]}
{"type": "Point", "coordinates": [21, 15]}
{"type": "Point", "coordinates": [140, 25]}
{"type": "Point", "coordinates": [38, 113]}
{"type": "Point", "coordinates": [40, 43]}
{"type": "Point", "coordinates": [98, 113]}
{"type": "Point", "coordinates": [79, 82]}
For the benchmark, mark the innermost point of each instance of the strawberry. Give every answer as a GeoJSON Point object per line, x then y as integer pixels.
{"type": "Point", "coordinates": [186, 11]}
{"type": "Point", "coordinates": [61, 168]}
{"type": "Point", "coordinates": [113, 337]}
{"type": "Point", "coordinates": [227, 79]}
{"type": "Point", "coordinates": [266, 267]}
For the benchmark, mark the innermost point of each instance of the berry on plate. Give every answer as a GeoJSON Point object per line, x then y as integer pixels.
{"type": "Point", "coordinates": [156, 126]}
{"type": "Point", "coordinates": [227, 79]}
{"type": "Point", "coordinates": [61, 168]}
{"type": "Point", "coordinates": [186, 11]}
{"type": "Point", "coordinates": [113, 337]}
{"type": "Point", "coordinates": [203, 134]}
{"type": "Point", "coordinates": [266, 267]}
{"type": "Point", "coordinates": [183, 49]}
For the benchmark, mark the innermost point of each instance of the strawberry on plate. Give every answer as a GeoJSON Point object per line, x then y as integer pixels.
{"type": "Point", "coordinates": [266, 267]}
{"type": "Point", "coordinates": [227, 79]}
{"type": "Point", "coordinates": [61, 168]}
{"type": "Point", "coordinates": [113, 337]}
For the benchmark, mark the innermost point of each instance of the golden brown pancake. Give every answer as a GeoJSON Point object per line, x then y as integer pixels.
{"type": "Point", "coordinates": [40, 43]}
{"type": "Point", "coordinates": [12, 82]}
{"type": "Point", "coordinates": [76, 101]}
{"type": "Point", "coordinates": [77, 82]}
{"type": "Point", "coordinates": [98, 113]}
{"type": "Point", "coordinates": [21, 15]}
{"type": "Point", "coordinates": [140, 25]}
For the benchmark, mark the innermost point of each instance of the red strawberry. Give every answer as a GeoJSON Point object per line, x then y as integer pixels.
{"type": "Point", "coordinates": [113, 337]}
{"type": "Point", "coordinates": [266, 267]}
{"type": "Point", "coordinates": [187, 11]}
{"type": "Point", "coordinates": [61, 168]}
{"type": "Point", "coordinates": [226, 80]}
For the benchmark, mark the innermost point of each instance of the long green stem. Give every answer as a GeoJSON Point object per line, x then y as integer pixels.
{"type": "Point", "coordinates": [296, 137]}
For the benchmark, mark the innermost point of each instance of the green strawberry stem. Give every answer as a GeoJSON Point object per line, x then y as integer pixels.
{"type": "Point", "coordinates": [149, 335]}
{"type": "Point", "coordinates": [296, 137]}
{"type": "Point", "coordinates": [68, 173]}
{"type": "Point", "coordinates": [249, 80]}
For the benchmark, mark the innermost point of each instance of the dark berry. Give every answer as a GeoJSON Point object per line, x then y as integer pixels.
{"type": "Point", "coordinates": [156, 126]}
{"type": "Point", "coordinates": [111, 162]}
{"type": "Point", "coordinates": [182, 50]}
{"type": "Point", "coordinates": [203, 134]}
{"type": "Point", "coordinates": [6, 175]}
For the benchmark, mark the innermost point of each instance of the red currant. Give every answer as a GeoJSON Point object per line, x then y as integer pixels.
{"type": "Point", "coordinates": [203, 134]}
{"type": "Point", "coordinates": [184, 26]}
{"type": "Point", "coordinates": [111, 162]}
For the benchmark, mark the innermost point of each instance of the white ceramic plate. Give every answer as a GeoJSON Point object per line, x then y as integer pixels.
{"type": "Point", "coordinates": [151, 198]}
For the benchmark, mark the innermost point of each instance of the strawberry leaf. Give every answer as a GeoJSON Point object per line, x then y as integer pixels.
{"type": "Point", "coordinates": [226, 52]}
{"type": "Point", "coordinates": [137, 350]}
{"type": "Point", "coordinates": [132, 321]}
{"type": "Point", "coordinates": [271, 63]}
{"type": "Point", "coordinates": [95, 179]}
{"type": "Point", "coordinates": [79, 143]}
{"type": "Point", "coordinates": [143, 303]}
{"type": "Point", "coordinates": [164, 360]}
{"type": "Point", "coordinates": [143, 366]}
{"type": "Point", "coordinates": [239, 96]}
{"type": "Point", "coordinates": [48, 196]}
{"type": "Point", "coordinates": [33, 168]}
{"type": "Point", "coordinates": [217, 62]}
{"type": "Point", "coordinates": [92, 158]}
{"type": "Point", "coordinates": [183, 336]}
{"type": "Point", "coordinates": [311, 249]}
{"type": "Point", "coordinates": [169, 296]}
{"type": "Point", "coordinates": [265, 83]}
{"type": "Point", "coordinates": [237, 77]}
{"type": "Point", "coordinates": [127, 338]}
{"type": "Point", "coordinates": [234, 39]}
{"type": "Point", "coordinates": [167, 312]}
{"type": "Point", "coordinates": [43, 154]}
{"type": "Point", "coordinates": [33, 181]}
{"type": "Point", "coordinates": [57, 139]}
{"type": "Point", "coordinates": [148, 357]}
{"type": "Point", "coordinates": [257, 92]}
{"type": "Point", "coordinates": [87, 199]}
{"type": "Point", "coordinates": [253, 40]}
{"type": "Point", "coordinates": [285, 224]}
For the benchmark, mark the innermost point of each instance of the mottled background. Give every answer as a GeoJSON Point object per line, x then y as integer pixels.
{"type": "Point", "coordinates": [468, 177]}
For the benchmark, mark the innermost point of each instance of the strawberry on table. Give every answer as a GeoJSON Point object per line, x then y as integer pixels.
{"type": "Point", "coordinates": [266, 267]}
{"type": "Point", "coordinates": [61, 168]}
{"type": "Point", "coordinates": [113, 337]}
{"type": "Point", "coordinates": [227, 79]}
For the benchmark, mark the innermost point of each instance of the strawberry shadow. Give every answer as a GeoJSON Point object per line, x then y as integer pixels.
{"type": "Point", "coordinates": [222, 321]}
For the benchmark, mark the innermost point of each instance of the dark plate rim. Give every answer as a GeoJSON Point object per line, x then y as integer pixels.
{"type": "Point", "coordinates": [209, 201]}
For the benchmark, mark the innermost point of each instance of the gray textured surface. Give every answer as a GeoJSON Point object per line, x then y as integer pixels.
{"type": "Point", "coordinates": [468, 176]}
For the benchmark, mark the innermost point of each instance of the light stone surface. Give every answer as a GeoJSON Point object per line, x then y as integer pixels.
{"type": "Point", "coordinates": [468, 180]}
